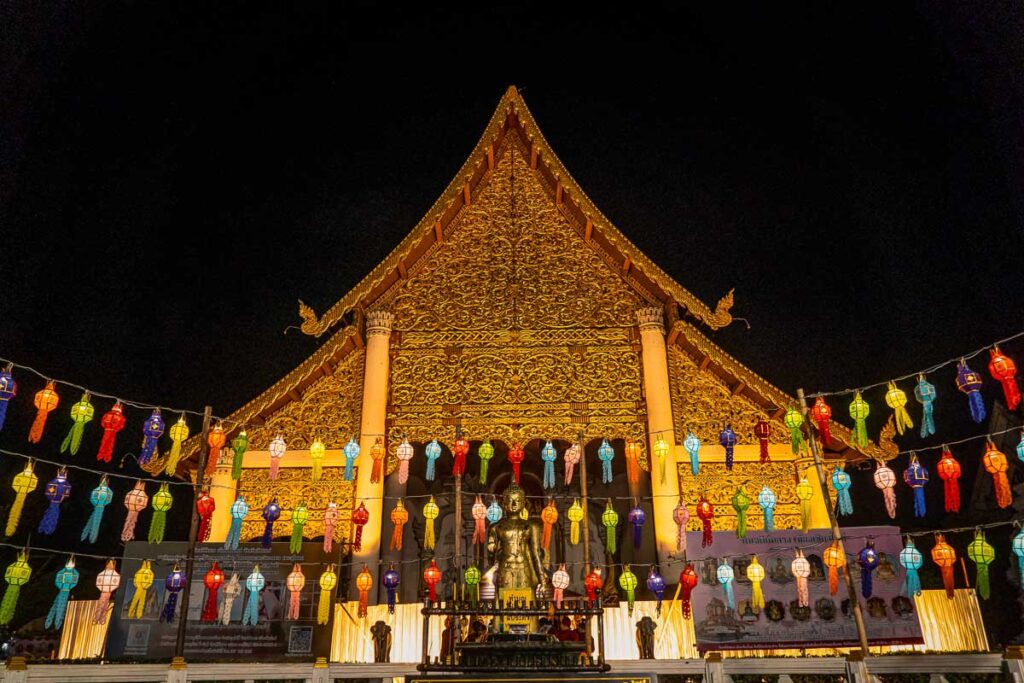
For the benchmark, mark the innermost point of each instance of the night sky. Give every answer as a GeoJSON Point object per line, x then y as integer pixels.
{"type": "Point", "coordinates": [174, 178]}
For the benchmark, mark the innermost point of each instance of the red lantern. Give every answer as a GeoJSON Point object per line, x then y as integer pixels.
{"type": "Point", "coordinates": [593, 584]}
{"type": "Point", "coordinates": [834, 558]}
{"type": "Point", "coordinates": [821, 414]}
{"type": "Point", "coordinates": [460, 449]}
{"type": "Point", "coordinates": [688, 580]}
{"type": "Point", "coordinates": [1004, 369]}
{"type": "Point", "coordinates": [515, 456]}
{"type": "Point", "coordinates": [996, 465]}
{"type": "Point", "coordinates": [763, 430]}
{"type": "Point", "coordinates": [213, 580]}
{"type": "Point", "coordinates": [432, 577]}
{"type": "Point", "coordinates": [949, 472]}
{"type": "Point", "coordinates": [205, 506]}
{"type": "Point", "coordinates": [944, 556]}
{"type": "Point", "coordinates": [112, 423]}
{"type": "Point", "coordinates": [360, 516]}
{"type": "Point", "coordinates": [706, 512]}
{"type": "Point", "coordinates": [215, 439]}
{"type": "Point", "coordinates": [377, 453]}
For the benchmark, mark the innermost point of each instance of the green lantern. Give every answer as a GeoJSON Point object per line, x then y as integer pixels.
{"type": "Point", "coordinates": [161, 503]}
{"type": "Point", "coordinates": [794, 419]}
{"type": "Point", "coordinates": [239, 444]}
{"type": "Point", "coordinates": [628, 582]}
{"type": "Point", "coordinates": [81, 413]}
{"type": "Point", "coordinates": [472, 577]}
{"type": "Point", "coordinates": [486, 452]}
{"type": "Point", "coordinates": [981, 553]}
{"type": "Point", "coordinates": [610, 519]}
{"type": "Point", "coordinates": [859, 411]}
{"type": "Point", "coordinates": [17, 575]}
{"type": "Point", "coordinates": [299, 518]}
{"type": "Point", "coordinates": [740, 503]}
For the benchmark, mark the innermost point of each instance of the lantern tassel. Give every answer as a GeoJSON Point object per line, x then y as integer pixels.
{"type": "Point", "coordinates": [609, 540]}
{"type": "Point", "coordinates": [430, 470]}
{"type": "Point", "coordinates": [156, 527]}
{"type": "Point", "coordinates": [204, 528]}
{"type": "Point", "coordinates": [1004, 495]}
{"type": "Point", "coordinates": [890, 501]}
{"type": "Point", "coordinates": [357, 541]}
{"type": "Point", "coordinates": [106, 445]}
{"type": "Point", "coordinates": [913, 582]}
{"type": "Point", "coordinates": [396, 537]}
{"type": "Point", "coordinates": [35, 434]}
{"type": "Point", "coordinates": [951, 488]}
{"type": "Point", "coordinates": [730, 596]}
{"type": "Point", "coordinates": [48, 524]}
{"type": "Point", "coordinates": [681, 516]}
{"type": "Point", "coordinates": [295, 545]}
{"type": "Point", "coordinates": [844, 502]}
{"type": "Point", "coordinates": [55, 617]}
{"type": "Point", "coordinates": [268, 533]}
{"type": "Point", "coordinates": [428, 535]}
{"type": "Point", "coordinates": [927, 419]}
{"type": "Point", "coordinates": [15, 516]}
{"type": "Point", "coordinates": [9, 604]}
{"type": "Point", "coordinates": [549, 474]}
{"type": "Point", "coordinates": [274, 466]}
{"type": "Point", "coordinates": [391, 601]}
{"type": "Point", "coordinates": [92, 526]}
{"type": "Point", "coordinates": [328, 536]}
{"type": "Point", "coordinates": [796, 439]}
{"type": "Point", "coordinates": [606, 472]}
{"type": "Point", "coordinates": [948, 581]}
{"type": "Point", "coordinates": [708, 537]}
{"type": "Point", "coordinates": [686, 591]}
{"type": "Point", "coordinates": [1020, 567]}
{"type": "Point", "coordinates": [138, 604]}
{"type": "Point", "coordinates": [234, 535]}
{"type": "Point", "coordinates": [293, 605]}
{"type": "Point", "coordinates": [231, 591]}
{"type": "Point", "coordinates": [167, 615]}
{"type": "Point", "coordinates": [251, 617]}
{"type": "Point", "coordinates": [833, 580]}
{"type": "Point", "coordinates": [982, 583]}
{"type": "Point", "coordinates": [209, 614]}
{"type": "Point", "coordinates": [148, 447]}
{"type": "Point", "coordinates": [236, 463]}
{"type": "Point", "coordinates": [805, 515]}
{"type": "Point", "coordinates": [803, 597]}
{"type": "Point", "coordinates": [1011, 391]}
{"type": "Point", "coordinates": [866, 583]}
{"type": "Point", "coordinates": [569, 467]}
{"type": "Point", "coordinates": [377, 470]}
{"type": "Point", "coordinates": [977, 404]}
{"type": "Point", "coordinates": [757, 596]}
{"type": "Point", "coordinates": [318, 470]}
{"type": "Point", "coordinates": [323, 611]}
{"type": "Point", "coordinates": [173, 457]}
{"type": "Point", "coordinates": [128, 530]}
{"type": "Point", "coordinates": [638, 531]}
{"type": "Point", "coordinates": [919, 504]}
{"type": "Point", "coordinates": [860, 433]}
{"type": "Point", "coordinates": [769, 519]}
{"type": "Point", "coordinates": [479, 531]}
{"type": "Point", "coordinates": [99, 615]}
{"type": "Point", "coordinates": [3, 411]}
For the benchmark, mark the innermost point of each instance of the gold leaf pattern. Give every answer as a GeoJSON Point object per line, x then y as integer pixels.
{"type": "Point", "coordinates": [292, 486]}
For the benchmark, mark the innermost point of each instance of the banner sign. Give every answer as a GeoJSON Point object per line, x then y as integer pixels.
{"type": "Point", "coordinates": [273, 637]}
{"type": "Point", "coordinates": [889, 615]}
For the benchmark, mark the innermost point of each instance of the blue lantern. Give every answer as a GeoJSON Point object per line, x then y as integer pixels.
{"type": "Point", "coordinates": [548, 455]}
{"type": "Point", "coordinates": [692, 445]}
{"type": "Point", "coordinates": [239, 511]}
{"type": "Point", "coordinates": [1020, 448]}
{"type": "Point", "coordinates": [637, 517]}
{"type": "Point", "coordinates": [433, 452]}
{"type": "Point", "coordinates": [969, 383]}
{"type": "Point", "coordinates": [8, 390]}
{"type": "Point", "coordinates": [100, 498]}
{"type": "Point", "coordinates": [605, 452]}
{"type": "Point", "coordinates": [728, 440]}
{"type": "Point", "coordinates": [174, 582]}
{"type": "Point", "coordinates": [494, 512]}
{"type": "Point", "coordinates": [841, 482]}
{"type": "Point", "coordinates": [912, 560]}
{"type": "Point", "coordinates": [65, 580]}
{"type": "Point", "coordinates": [656, 584]}
{"type": "Point", "coordinates": [389, 580]}
{"type": "Point", "coordinates": [270, 515]}
{"type": "Point", "coordinates": [152, 430]}
{"type": "Point", "coordinates": [351, 453]}
{"type": "Point", "coordinates": [1018, 550]}
{"type": "Point", "coordinates": [868, 560]}
{"type": "Point", "coordinates": [916, 476]}
{"type": "Point", "coordinates": [255, 583]}
{"type": "Point", "coordinates": [767, 500]}
{"type": "Point", "coordinates": [725, 576]}
{"type": "Point", "coordinates": [924, 392]}
{"type": "Point", "coordinates": [57, 491]}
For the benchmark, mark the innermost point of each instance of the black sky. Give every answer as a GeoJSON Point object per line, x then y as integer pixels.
{"type": "Point", "coordinates": [173, 178]}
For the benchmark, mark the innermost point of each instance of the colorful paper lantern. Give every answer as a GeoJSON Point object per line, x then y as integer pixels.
{"type": "Point", "coordinates": [178, 432]}
{"type": "Point", "coordinates": [655, 584]}
{"type": "Point", "coordinates": [593, 583]}
{"type": "Point", "coordinates": [1018, 550]}
{"type": "Point", "coordinates": [213, 580]}
{"type": "Point", "coordinates": [1004, 370]}
{"type": "Point", "coordinates": [239, 511]}
{"type": "Point", "coordinates": [575, 515]}
{"type": "Point", "coordinates": [727, 438]}
{"type": "Point", "coordinates": [300, 515]}
{"type": "Point", "coordinates": [430, 513]}
{"type": "Point", "coordinates": [360, 517]}
{"type": "Point", "coordinates": [254, 583]}
{"type": "Point", "coordinates": [688, 580]}
{"type": "Point", "coordinates": [924, 392]}
{"type": "Point", "coordinates": [692, 445]}
{"type": "Point", "coordinates": [949, 471]}
{"type": "Point", "coordinates": [45, 401]}
{"type": "Point", "coordinates": [916, 476]}
{"type": "Point", "coordinates": [767, 500]}
{"type": "Point", "coordinates": [239, 444]}
{"type": "Point", "coordinates": [57, 491]}
{"type": "Point", "coordinates": [432, 577]}
{"type": "Point", "coordinates": [885, 481]}
{"type": "Point", "coordinates": [328, 580]}
{"type": "Point", "coordinates": [296, 581]}
{"type": "Point", "coordinates": [628, 582]}
{"type": "Point", "coordinates": [794, 419]}
{"type": "Point", "coordinates": [681, 516]}
{"type": "Point", "coordinates": [390, 581]}
{"type": "Point", "coordinates": [271, 513]}
{"type": "Point", "coordinates": [762, 432]}
{"type": "Point", "coordinates": [494, 512]}
{"type": "Point", "coordinates": [1020, 448]}
{"type": "Point", "coordinates": [479, 512]}
{"type": "Point", "coordinates": [842, 482]}
{"type": "Point", "coordinates": [859, 411]}
{"type": "Point", "coordinates": [911, 560]}
{"type": "Point", "coordinates": [65, 580]}
{"type": "Point", "coordinates": [515, 456]}
{"type": "Point", "coordinates": [636, 518]}
{"type": "Point", "coordinates": [162, 502]}
{"type": "Point", "coordinates": [896, 399]}
{"type": "Point", "coordinates": [317, 451]}
{"type": "Point", "coordinates": [740, 503]}
{"type": "Point", "coordinates": [868, 560]}
{"type": "Point", "coordinates": [821, 413]}
{"type": "Point", "coordinates": [996, 465]}
{"type": "Point", "coordinates": [633, 462]}
{"type": "Point", "coordinates": [433, 452]}
{"type": "Point", "coordinates": [330, 524]}
{"type": "Point", "coordinates": [548, 455]}
{"type": "Point", "coordinates": [801, 569]}
{"type": "Point", "coordinates": [399, 516]}
{"type": "Point", "coordinates": [232, 590]}
{"type": "Point", "coordinates": [205, 506]}
{"type": "Point", "coordinates": [277, 450]}
{"type": "Point", "coordinates": [945, 557]}
{"type": "Point", "coordinates": [112, 422]}
{"type": "Point", "coordinates": [107, 581]}
{"type": "Point", "coordinates": [725, 575]}
{"type": "Point", "coordinates": [405, 452]}
{"type": "Point", "coordinates": [982, 554]}
{"type": "Point", "coordinates": [660, 452]}
{"type": "Point", "coordinates": [834, 558]}
{"type": "Point", "coordinates": [460, 449]}
{"type": "Point", "coordinates": [215, 439]}
{"type": "Point", "coordinates": [606, 453]}
{"type": "Point", "coordinates": [969, 384]}
{"type": "Point", "coordinates": [24, 483]}
{"type": "Point", "coordinates": [8, 390]}
{"type": "Point", "coordinates": [16, 575]}
{"type": "Point", "coordinates": [135, 501]}
{"type": "Point", "coordinates": [610, 520]}
{"type": "Point", "coordinates": [572, 457]}
{"type": "Point", "coordinates": [485, 452]}
{"type": "Point", "coordinates": [81, 414]}
{"type": "Point", "coordinates": [173, 584]}
{"type": "Point", "coordinates": [560, 581]}
{"type": "Point", "coordinates": [377, 455]}
{"type": "Point", "coordinates": [706, 513]}
{"type": "Point", "coordinates": [804, 493]}
{"type": "Point", "coordinates": [152, 430]}
{"type": "Point", "coordinates": [100, 498]}
{"type": "Point", "coordinates": [756, 574]}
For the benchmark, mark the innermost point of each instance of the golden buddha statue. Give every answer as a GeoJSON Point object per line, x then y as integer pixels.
{"type": "Point", "coordinates": [515, 544]}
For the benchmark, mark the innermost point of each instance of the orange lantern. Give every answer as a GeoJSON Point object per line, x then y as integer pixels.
{"type": "Point", "coordinates": [834, 558]}
{"type": "Point", "coordinates": [549, 516]}
{"type": "Point", "coordinates": [944, 556]}
{"type": "Point", "coordinates": [996, 465]}
{"type": "Point", "coordinates": [215, 439]}
{"type": "Point", "coordinates": [949, 472]}
{"type": "Point", "coordinates": [295, 582]}
{"type": "Point", "coordinates": [377, 453]}
{"type": "Point", "coordinates": [364, 582]}
{"type": "Point", "coordinates": [633, 462]}
{"type": "Point", "coordinates": [399, 516]}
{"type": "Point", "coordinates": [432, 577]}
{"type": "Point", "coordinates": [45, 401]}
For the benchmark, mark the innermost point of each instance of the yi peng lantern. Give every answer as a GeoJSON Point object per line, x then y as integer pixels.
{"type": "Point", "coordinates": [996, 465]}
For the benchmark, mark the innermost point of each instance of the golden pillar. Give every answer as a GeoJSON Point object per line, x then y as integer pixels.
{"type": "Point", "coordinates": [660, 425]}
{"type": "Point", "coordinates": [371, 427]}
{"type": "Point", "coordinates": [222, 490]}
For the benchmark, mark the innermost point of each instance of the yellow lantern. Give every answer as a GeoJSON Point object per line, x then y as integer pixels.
{"type": "Point", "coordinates": [179, 432]}
{"type": "Point", "coordinates": [377, 453]}
{"type": "Point", "coordinates": [316, 454]}
{"type": "Point", "coordinates": [142, 580]}
{"type": "Point", "coordinates": [804, 493]}
{"type": "Point", "coordinates": [661, 452]}
{"type": "Point", "coordinates": [24, 484]}
{"type": "Point", "coordinates": [430, 513]}
{"type": "Point", "coordinates": [575, 515]}
{"type": "Point", "coordinates": [328, 580]}
{"type": "Point", "coordinates": [755, 574]}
